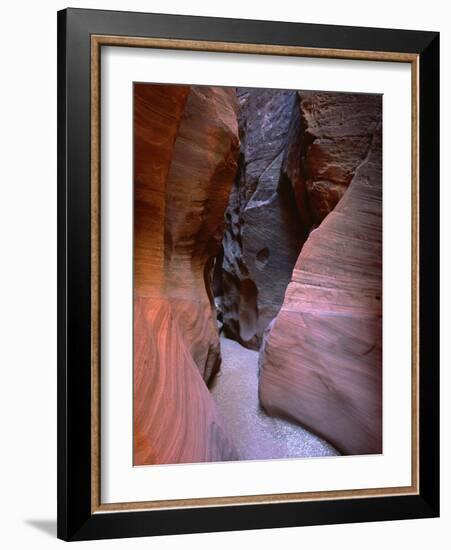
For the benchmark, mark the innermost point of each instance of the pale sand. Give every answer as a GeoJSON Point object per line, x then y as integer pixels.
{"type": "Point", "coordinates": [255, 434]}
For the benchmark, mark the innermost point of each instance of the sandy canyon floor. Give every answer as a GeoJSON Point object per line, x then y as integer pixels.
{"type": "Point", "coordinates": [256, 435]}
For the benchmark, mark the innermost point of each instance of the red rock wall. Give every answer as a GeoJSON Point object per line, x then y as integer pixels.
{"type": "Point", "coordinates": [175, 419]}
{"type": "Point", "coordinates": [186, 145]}
{"type": "Point", "coordinates": [330, 136]}
{"type": "Point", "coordinates": [321, 362]}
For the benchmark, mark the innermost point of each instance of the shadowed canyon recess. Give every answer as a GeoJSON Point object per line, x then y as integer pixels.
{"type": "Point", "coordinates": [258, 274]}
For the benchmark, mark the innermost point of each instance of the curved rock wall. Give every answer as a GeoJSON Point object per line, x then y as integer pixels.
{"type": "Point", "coordinates": [321, 362]}
{"type": "Point", "coordinates": [186, 148]}
{"type": "Point", "coordinates": [175, 418]}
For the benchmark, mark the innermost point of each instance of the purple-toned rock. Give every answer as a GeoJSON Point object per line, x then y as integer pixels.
{"type": "Point", "coordinates": [321, 362]}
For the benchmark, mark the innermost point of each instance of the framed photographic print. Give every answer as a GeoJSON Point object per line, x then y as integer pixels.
{"type": "Point", "coordinates": [248, 274]}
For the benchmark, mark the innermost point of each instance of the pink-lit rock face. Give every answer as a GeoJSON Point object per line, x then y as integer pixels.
{"type": "Point", "coordinates": [321, 362]}
{"type": "Point", "coordinates": [175, 418]}
{"type": "Point", "coordinates": [186, 146]}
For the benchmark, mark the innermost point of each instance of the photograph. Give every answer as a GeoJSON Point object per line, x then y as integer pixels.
{"type": "Point", "coordinates": [225, 280]}
{"type": "Point", "coordinates": [248, 255]}
{"type": "Point", "coordinates": [257, 261]}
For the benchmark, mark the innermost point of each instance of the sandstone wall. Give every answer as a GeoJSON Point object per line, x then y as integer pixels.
{"type": "Point", "coordinates": [186, 148]}
{"type": "Point", "coordinates": [175, 418]}
{"type": "Point", "coordinates": [321, 362]}
{"type": "Point", "coordinates": [330, 136]}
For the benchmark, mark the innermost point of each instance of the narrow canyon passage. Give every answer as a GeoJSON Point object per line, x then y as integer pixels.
{"type": "Point", "coordinates": [255, 435]}
{"type": "Point", "coordinates": [257, 212]}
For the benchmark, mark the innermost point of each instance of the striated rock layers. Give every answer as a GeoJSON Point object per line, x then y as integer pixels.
{"type": "Point", "coordinates": [263, 235]}
{"type": "Point", "coordinates": [329, 137]}
{"type": "Point", "coordinates": [175, 417]}
{"type": "Point", "coordinates": [186, 148]}
{"type": "Point", "coordinates": [321, 362]}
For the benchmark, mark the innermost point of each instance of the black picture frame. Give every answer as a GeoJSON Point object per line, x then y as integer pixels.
{"type": "Point", "coordinates": [76, 521]}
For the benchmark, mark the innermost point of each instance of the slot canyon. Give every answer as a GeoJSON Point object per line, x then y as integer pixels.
{"type": "Point", "coordinates": [257, 274]}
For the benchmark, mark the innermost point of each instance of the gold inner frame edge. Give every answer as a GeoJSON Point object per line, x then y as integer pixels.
{"type": "Point", "coordinates": [228, 47]}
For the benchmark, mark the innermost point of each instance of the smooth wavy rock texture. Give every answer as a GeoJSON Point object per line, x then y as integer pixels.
{"type": "Point", "coordinates": [176, 420]}
{"type": "Point", "coordinates": [321, 362]}
{"type": "Point", "coordinates": [186, 148]}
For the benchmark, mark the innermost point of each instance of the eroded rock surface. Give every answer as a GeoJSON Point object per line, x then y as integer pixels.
{"type": "Point", "coordinates": [186, 148]}
{"type": "Point", "coordinates": [263, 235]}
{"type": "Point", "coordinates": [330, 136]}
{"type": "Point", "coordinates": [321, 362]}
{"type": "Point", "coordinates": [299, 152]}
